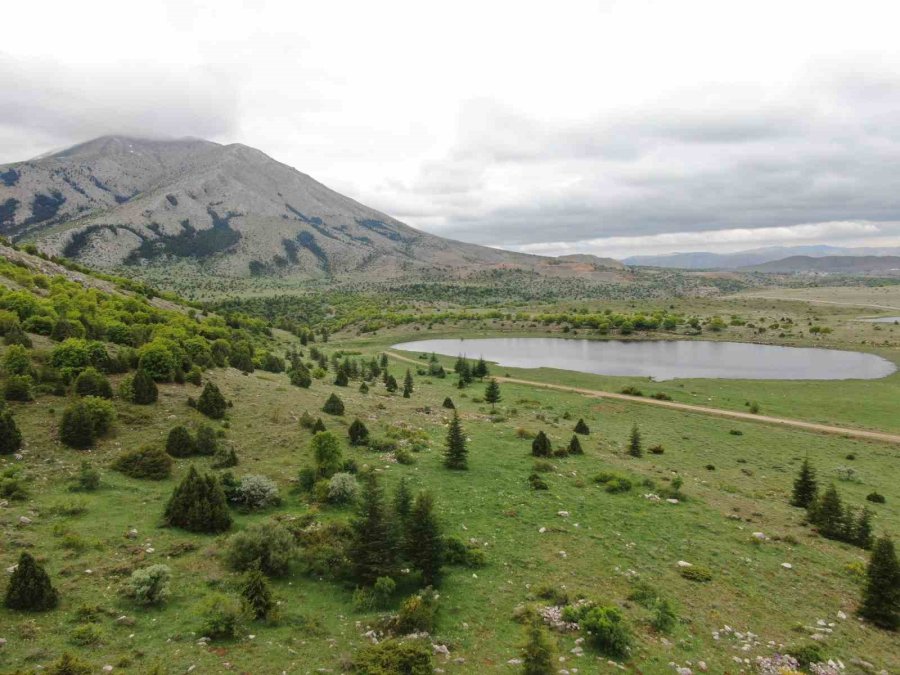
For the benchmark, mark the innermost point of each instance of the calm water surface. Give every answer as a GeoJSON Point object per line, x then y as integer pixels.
{"type": "Point", "coordinates": [666, 359]}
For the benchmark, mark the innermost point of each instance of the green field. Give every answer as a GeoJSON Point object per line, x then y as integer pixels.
{"type": "Point", "coordinates": [573, 539]}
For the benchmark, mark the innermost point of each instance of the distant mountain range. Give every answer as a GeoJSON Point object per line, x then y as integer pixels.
{"type": "Point", "coordinates": [839, 264]}
{"type": "Point", "coordinates": [228, 209]}
{"type": "Point", "coordinates": [750, 257]}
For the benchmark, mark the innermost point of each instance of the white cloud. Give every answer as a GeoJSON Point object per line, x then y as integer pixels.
{"type": "Point", "coordinates": [503, 122]}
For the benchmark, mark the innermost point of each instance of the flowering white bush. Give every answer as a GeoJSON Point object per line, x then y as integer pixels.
{"type": "Point", "coordinates": [342, 488]}
{"type": "Point", "coordinates": [257, 492]}
{"type": "Point", "coordinates": [149, 585]}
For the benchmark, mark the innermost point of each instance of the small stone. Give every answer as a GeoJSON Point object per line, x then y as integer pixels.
{"type": "Point", "coordinates": [841, 615]}
{"type": "Point", "coordinates": [760, 536]}
{"type": "Point", "coordinates": [24, 520]}
{"type": "Point", "coordinates": [787, 566]}
{"type": "Point", "coordinates": [441, 649]}
{"type": "Point", "coordinates": [542, 530]}
{"type": "Point", "coordinates": [562, 514]}
{"type": "Point", "coordinates": [132, 533]}
{"type": "Point", "coordinates": [702, 666]}
{"type": "Point", "coordinates": [107, 668]}
{"type": "Point", "coordinates": [514, 662]}
{"type": "Point", "coordinates": [2, 642]}
{"type": "Point", "coordinates": [672, 501]}
{"type": "Point", "coordinates": [683, 563]}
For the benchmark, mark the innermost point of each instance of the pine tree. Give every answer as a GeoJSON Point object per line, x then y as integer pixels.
{"type": "Point", "coordinates": [180, 443]}
{"type": "Point", "coordinates": [373, 541]}
{"type": "Point", "coordinates": [143, 389]}
{"type": "Point", "coordinates": [76, 428]}
{"type": "Point", "coordinates": [384, 361]}
{"type": "Point", "coordinates": [407, 384]}
{"type": "Point", "coordinates": [341, 379]}
{"type": "Point", "coordinates": [575, 446]}
{"type": "Point", "coordinates": [862, 529]}
{"type": "Point", "coordinates": [390, 383]}
{"type": "Point", "coordinates": [334, 405]}
{"type": "Point", "coordinates": [363, 388]}
{"type": "Point", "coordinates": [448, 403]}
{"type": "Point", "coordinates": [424, 542]}
{"type": "Point", "coordinates": [206, 442]}
{"type": "Point", "coordinates": [582, 428]}
{"type": "Point", "coordinates": [10, 436]}
{"type": "Point", "coordinates": [635, 449]}
{"type": "Point", "coordinates": [881, 596]}
{"type": "Point", "coordinates": [492, 393]}
{"type": "Point", "coordinates": [30, 588]}
{"type": "Point", "coordinates": [319, 426]}
{"type": "Point", "coordinates": [456, 454]}
{"type": "Point", "coordinates": [828, 515]}
{"type": "Point", "coordinates": [460, 364]}
{"type": "Point", "coordinates": [480, 370]}
{"type": "Point", "coordinates": [211, 402]}
{"type": "Point", "coordinates": [805, 486]}
{"type": "Point", "coordinates": [198, 504]}
{"type": "Point", "coordinates": [402, 500]}
{"type": "Point", "coordinates": [541, 446]}
{"type": "Point", "coordinates": [359, 434]}
{"type": "Point", "coordinates": [91, 382]}
{"type": "Point", "coordinates": [256, 594]}
{"type": "Point", "coordinates": [326, 450]}
{"type": "Point", "coordinates": [538, 653]}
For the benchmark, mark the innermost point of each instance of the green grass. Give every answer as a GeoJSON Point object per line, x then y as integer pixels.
{"type": "Point", "coordinates": [605, 537]}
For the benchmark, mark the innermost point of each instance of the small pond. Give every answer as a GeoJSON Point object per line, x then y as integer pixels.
{"type": "Point", "coordinates": [665, 359]}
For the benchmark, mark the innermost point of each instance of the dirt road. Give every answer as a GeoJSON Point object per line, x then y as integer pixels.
{"type": "Point", "coordinates": [698, 409]}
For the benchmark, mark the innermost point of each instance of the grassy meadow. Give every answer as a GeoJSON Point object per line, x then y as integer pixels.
{"type": "Point", "coordinates": [736, 482]}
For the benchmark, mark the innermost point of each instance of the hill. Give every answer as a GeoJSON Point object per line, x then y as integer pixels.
{"type": "Point", "coordinates": [750, 257]}
{"type": "Point", "coordinates": [861, 265]}
{"type": "Point", "coordinates": [229, 210]}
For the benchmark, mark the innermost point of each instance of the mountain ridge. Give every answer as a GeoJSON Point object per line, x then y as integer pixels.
{"type": "Point", "coordinates": [119, 201]}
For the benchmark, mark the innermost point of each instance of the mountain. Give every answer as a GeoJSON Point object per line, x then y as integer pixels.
{"type": "Point", "coordinates": [862, 265]}
{"type": "Point", "coordinates": [226, 210]}
{"type": "Point", "coordinates": [750, 257]}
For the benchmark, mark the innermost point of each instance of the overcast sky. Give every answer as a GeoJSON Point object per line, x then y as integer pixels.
{"type": "Point", "coordinates": [594, 127]}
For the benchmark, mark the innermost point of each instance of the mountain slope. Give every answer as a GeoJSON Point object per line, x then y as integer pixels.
{"type": "Point", "coordinates": [230, 209]}
{"type": "Point", "coordinates": [750, 257]}
{"type": "Point", "coordinates": [832, 265]}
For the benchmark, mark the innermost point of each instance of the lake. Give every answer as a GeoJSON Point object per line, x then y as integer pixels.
{"type": "Point", "coordinates": [665, 359]}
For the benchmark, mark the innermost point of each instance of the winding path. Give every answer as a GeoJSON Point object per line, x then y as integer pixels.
{"type": "Point", "coordinates": [698, 409]}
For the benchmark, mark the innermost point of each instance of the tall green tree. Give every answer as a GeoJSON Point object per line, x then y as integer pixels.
{"type": "Point", "coordinates": [326, 450]}
{"type": "Point", "coordinates": [492, 393]}
{"type": "Point", "coordinates": [828, 515]}
{"type": "Point", "coordinates": [198, 504]}
{"type": "Point", "coordinates": [256, 594]}
{"type": "Point", "coordinates": [538, 656]}
{"type": "Point", "coordinates": [407, 384]}
{"type": "Point", "coordinates": [805, 486]}
{"type": "Point", "coordinates": [424, 542]}
{"type": "Point", "coordinates": [359, 434]}
{"type": "Point", "coordinates": [180, 443]}
{"type": "Point", "coordinates": [541, 446]}
{"type": "Point", "coordinates": [373, 544]}
{"type": "Point", "coordinates": [334, 405]}
{"type": "Point", "coordinates": [582, 428]}
{"type": "Point", "coordinates": [211, 402]}
{"type": "Point", "coordinates": [575, 446]}
{"type": "Point", "coordinates": [480, 369]}
{"type": "Point", "coordinates": [143, 388]}
{"type": "Point", "coordinates": [635, 447]}
{"type": "Point", "coordinates": [881, 595]}
{"type": "Point", "coordinates": [29, 587]}
{"type": "Point", "coordinates": [456, 453]}
{"type": "Point", "coordinates": [10, 436]}
{"type": "Point", "coordinates": [402, 500]}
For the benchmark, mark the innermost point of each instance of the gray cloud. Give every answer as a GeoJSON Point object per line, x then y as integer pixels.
{"type": "Point", "coordinates": [47, 104]}
{"type": "Point", "coordinates": [825, 151]}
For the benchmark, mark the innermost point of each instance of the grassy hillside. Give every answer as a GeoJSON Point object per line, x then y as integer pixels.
{"type": "Point", "coordinates": [576, 539]}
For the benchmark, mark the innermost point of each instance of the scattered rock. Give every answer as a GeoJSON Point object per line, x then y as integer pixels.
{"type": "Point", "coordinates": [787, 566]}
{"type": "Point", "coordinates": [562, 514]}
{"type": "Point", "coordinates": [672, 501]}
{"type": "Point", "coordinates": [441, 649]}
{"type": "Point", "coordinates": [542, 530]}
{"type": "Point", "coordinates": [107, 668]}
{"type": "Point", "coordinates": [24, 520]}
{"type": "Point", "coordinates": [514, 662]}
{"type": "Point", "coordinates": [760, 536]}
{"type": "Point", "coordinates": [2, 642]}
{"type": "Point", "coordinates": [683, 563]}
